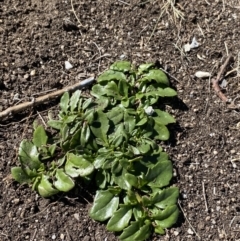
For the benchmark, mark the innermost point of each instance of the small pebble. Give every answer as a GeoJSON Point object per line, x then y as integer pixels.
{"type": "Point", "coordinates": [54, 236]}
{"type": "Point", "coordinates": [190, 231]}
{"type": "Point", "coordinates": [68, 65]}
{"type": "Point", "coordinates": [202, 74]}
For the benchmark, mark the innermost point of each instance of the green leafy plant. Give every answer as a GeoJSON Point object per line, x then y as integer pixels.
{"type": "Point", "coordinates": [110, 137]}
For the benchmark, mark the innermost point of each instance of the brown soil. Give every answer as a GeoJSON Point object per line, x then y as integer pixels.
{"type": "Point", "coordinates": [36, 37]}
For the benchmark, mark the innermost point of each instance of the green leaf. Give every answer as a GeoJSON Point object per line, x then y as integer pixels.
{"type": "Point", "coordinates": [136, 231]}
{"type": "Point", "coordinates": [86, 103]}
{"type": "Point", "coordinates": [77, 165]}
{"type": "Point", "coordinates": [56, 124]}
{"type": "Point", "coordinates": [163, 117]}
{"type": "Point", "coordinates": [104, 205]}
{"type": "Point", "coordinates": [123, 88]}
{"type": "Point", "coordinates": [159, 230]}
{"type": "Point", "coordinates": [143, 68]}
{"type": "Point", "coordinates": [167, 217]}
{"type": "Point", "coordinates": [160, 174]}
{"type": "Point", "coordinates": [120, 218]}
{"type": "Point", "coordinates": [169, 92]}
{"type": "Point", "coordinates": [112, 90]}
{"type": "Point", "coordinates": [100, 126]}
{"type": "Point", "coordinates": [132, 180]}
{"type": "Point", "coordinates": [102, 102]}
{"type": "Point", "coordinates": [157, 75]}
{"type": "Point", "coordinates": [115, 115]}
{"type": "Point", "coordinates": [20, 175]}
{"type": "Point", "coordinates": [129, 122]}
{"type": "Point", "coordinates": [64, 102]}
{"type": "Point", "coordinates": [142, 122]}
{"type": "Point", "coordinates": [28, 155]}
{"type": "Point", "coordinates": [45, 188]}
{"type": "Point", "coordinates": [111, 75]}
{"type": "Point", "coordinates": [122, 66]}
{"type": "Point", "coordinates": [64, 183]}
{"type": "Point", "coordinates": [162, 131]}
{"type": "Point", "coordinates": [39, 137]}
{"type": "Point", "coordinates": [144, 148]}
{"type": "Point", "coordinates": [166, 197]}
{"type": "Point", "coordinates": [98, 90]}
{"type": "Point", "coordinates": [74, 100]}
{"type": "Point", "coordinates": [85, 134]}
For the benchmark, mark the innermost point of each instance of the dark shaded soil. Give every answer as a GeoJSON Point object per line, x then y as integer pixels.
{"type": "Point", "coordinates": [36, 37]}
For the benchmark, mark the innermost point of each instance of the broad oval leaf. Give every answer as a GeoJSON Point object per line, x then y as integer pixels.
{"type": "Point", "coordinates": [98, 91]}
{"type": "Point", "coordinates": [137, 231]}
{"type": "Point", "coordinates": [39, 136]}
{"type": "Point", "coordinates": [163, 117]}
{"type": "Point", "coordinates": [122, 66]}
{"type": "Point", "coordinates": [78, 166]}
{"type": "Point", "coordinates": [169, 92]}
{"type": "Point", "coordinates": [168, 217]}
{"type": "Point", "coordinates": [111, 75]}
{"type": "Point", "coordinates": [64, 183]}
{"type": "Point", "coordinates": [45, 188]}
{"type": "Point", "coordinates": [143, 68]}
{"type": "Point", "coordinates": [56, 124]}
{"type": "Point", "coordinates": [104, 205]}
{"type": "Point", "coordinates": [166, 197]}
{"type": "Point", "coordinates": [157, 75]}
{"type": "Point", "coordinates": [160, 174]}
{"type": "Point", "coordinates": [29, 155]}
{"type": "Point", "coordinates": [115, 115]}
{"type": "Point", "coordinates": [100, 126]}
{"type": "Point", "coordinates": [120, 219]}
{"type": "Point", "coordinates": [162, 131]}
{"type": "Point", "coordinates": [20, 175]}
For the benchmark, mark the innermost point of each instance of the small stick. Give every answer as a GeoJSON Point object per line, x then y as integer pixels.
{"type": "Point", "coordinates": [215, 81]}
{"type": "Point", "coordinates": [47, 97]}
{"type": "Point", "coordinates": [189, 221]}
{"type": "Point", "coordinates": [204, 196]}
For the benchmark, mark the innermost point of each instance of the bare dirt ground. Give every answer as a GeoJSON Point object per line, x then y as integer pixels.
{"type": "Point", "coordinates": [36, 37]}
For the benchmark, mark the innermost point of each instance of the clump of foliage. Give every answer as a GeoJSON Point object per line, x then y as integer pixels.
{"type": "Point", "coordinates": [110, 137]}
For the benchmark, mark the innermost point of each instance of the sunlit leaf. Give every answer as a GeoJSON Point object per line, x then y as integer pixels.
{"type": "Point", "coordinates": [122, 66]}
{"type": "Point", "coordinates": [136, 231]}
{"type": "Point", "coordinates": [169, 92]}
{"type": "Point", "coordinates": [157, 75]}
{"type": "Point", "coordinates": [143, 68]}
{"type": "Point", "coordinates": [163, 117]}
{"type": "Point", "coordinates": [160, 174]}
{"type": "Point", "coordinates": [162, 131]}
{"type": "Point", "coordinates": [45, 188]}
{"type": "Point", "coordinates": [56, 124]}
{"type": "Point", "coordinates": [77, 165]}
{"type": "Point", "coordinates": [64, 183]}
{"type": "Point", "coordinates": [39, 136]}
{"type": "Point", "coordinates": [111, 75]}
{"type": "Point", "coordinates": [166, 197]}
{"type": "Point", "coordinates": [28, 155]}
{"type": "Point", "coordinates": [104, 205]}
{"type": "Point", "coordinates": [120, 218]}
{"type": "Point", "coordinates": [115, 115]}
{"type": "Point", "coordinates": [64, 102]}
{"type": "Point", "coordinates": [100, 126]}
{"type": "Point", "coordinates": [20, 175]}
{"type": "Point", "coordinates": [98, 90]}
{"type": "Point", "coordinates": [74, 100]}
{"type": "Point", "coordinates": [167, 217]}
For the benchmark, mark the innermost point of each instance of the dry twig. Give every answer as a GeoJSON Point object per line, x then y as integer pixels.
{"type": "Point", "coordinates": [215, 81]}
{"type": "Point", "coordinates": [44, 98]}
